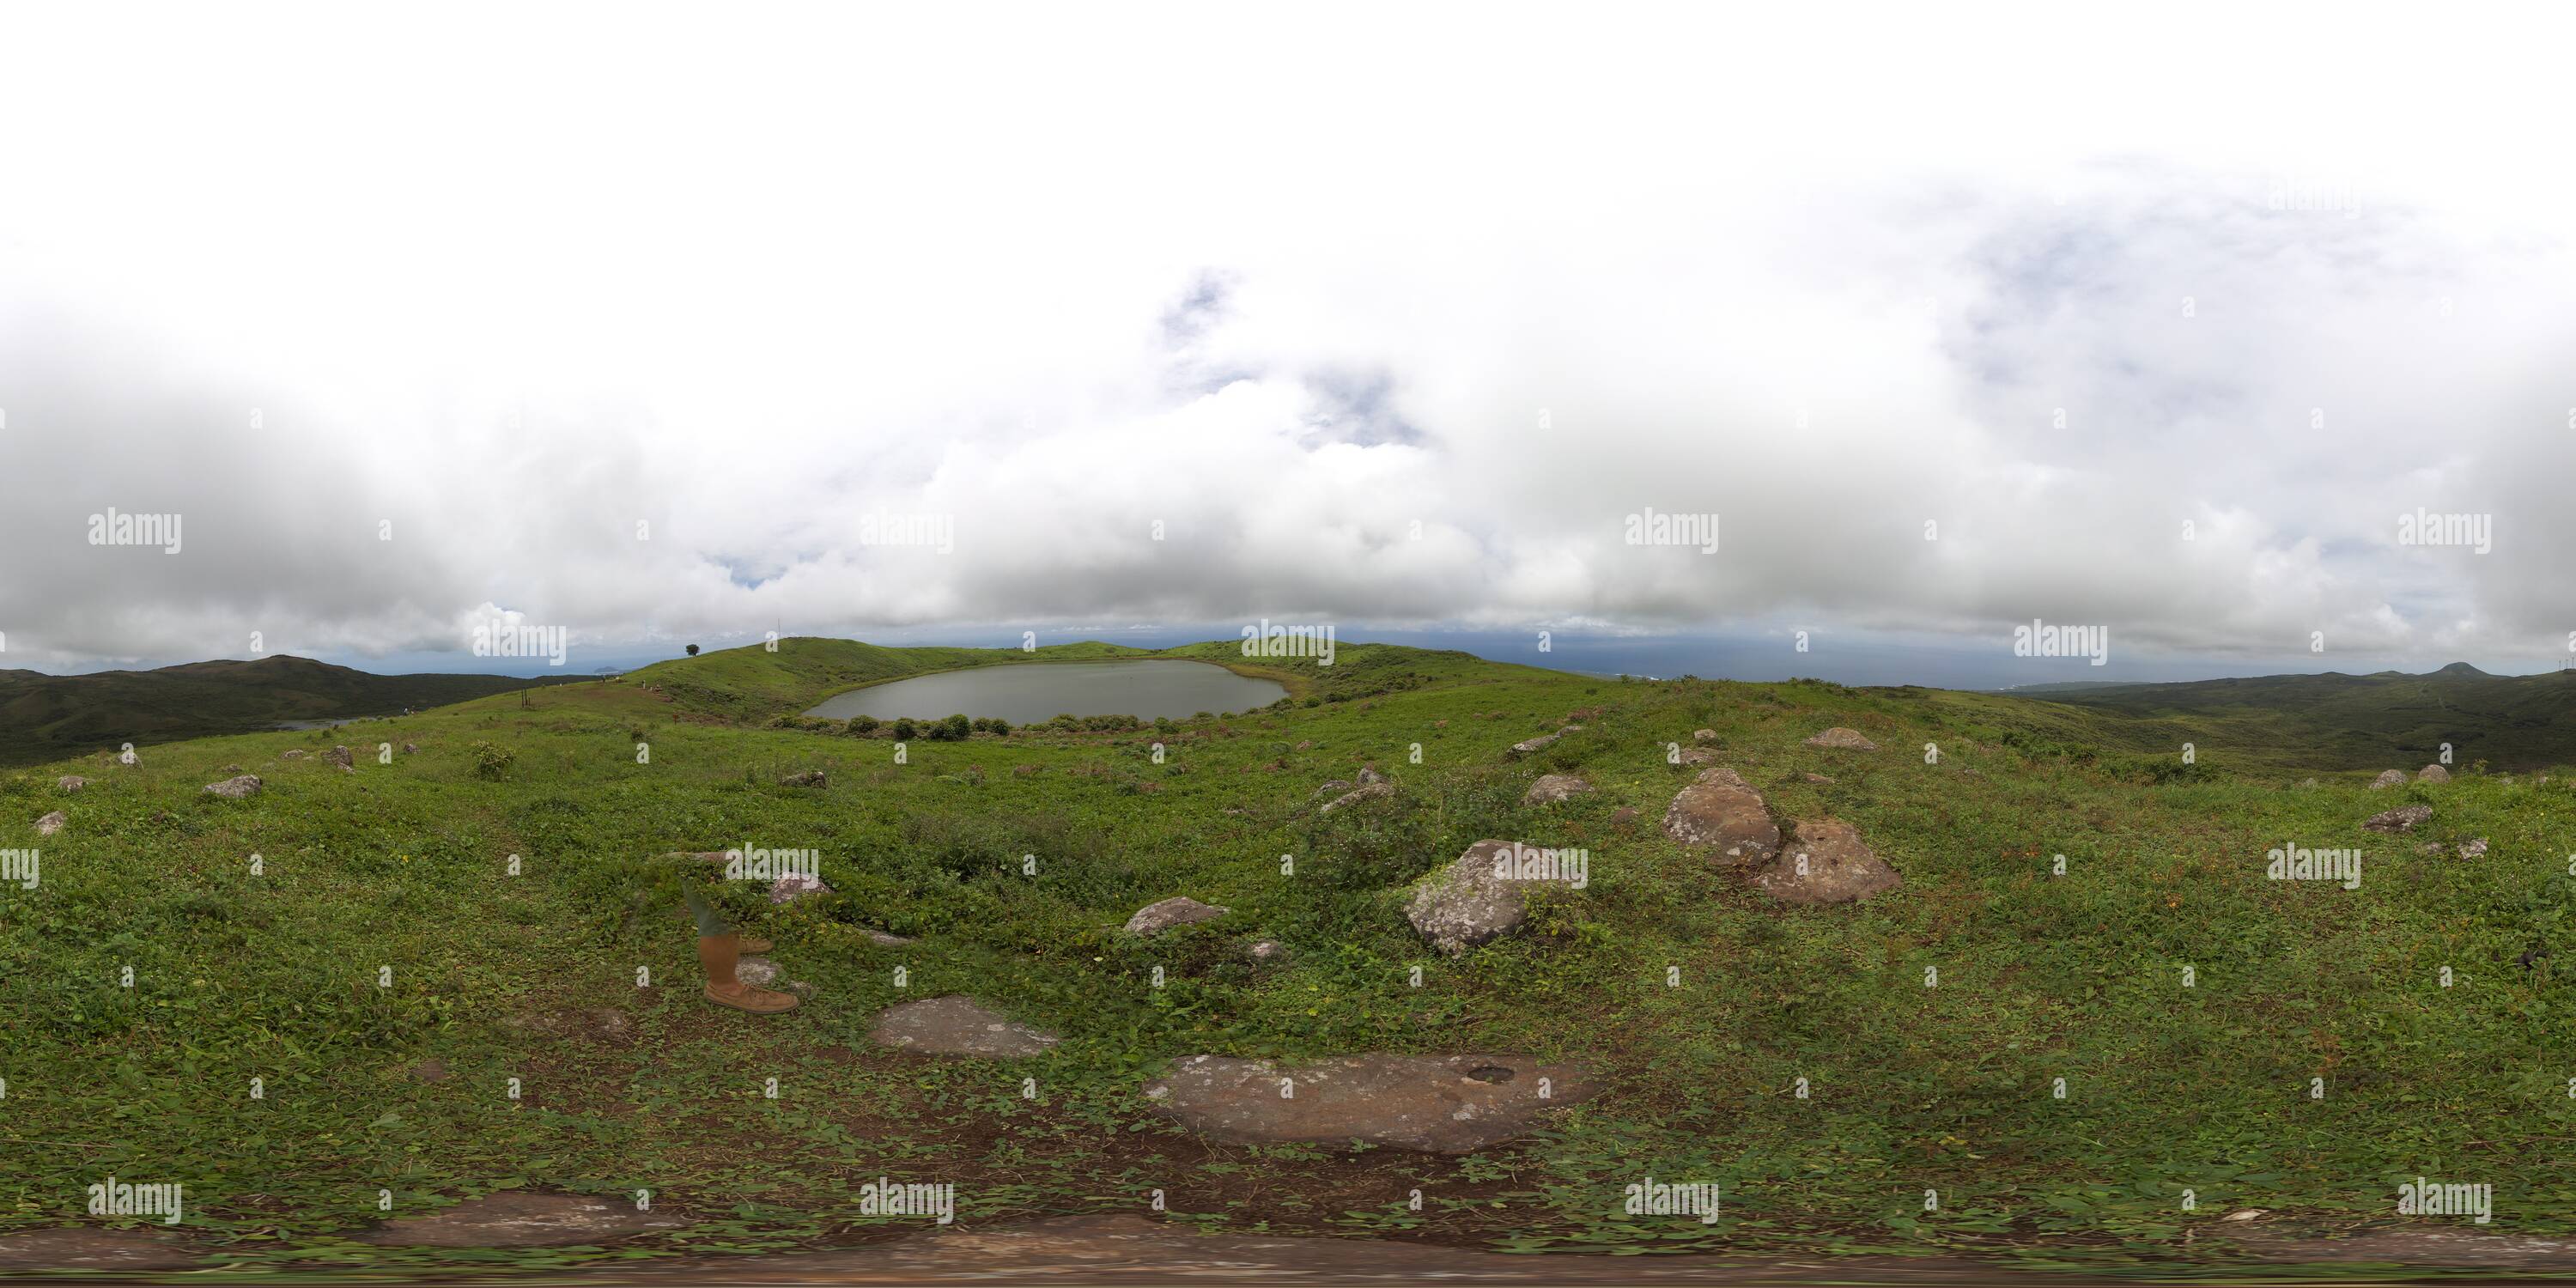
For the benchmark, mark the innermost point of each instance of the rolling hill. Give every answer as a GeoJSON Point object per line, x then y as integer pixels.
{"type": "Point", "coordinates": [46, 717]}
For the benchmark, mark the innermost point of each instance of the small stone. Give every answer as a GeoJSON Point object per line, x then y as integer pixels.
{"type": "Point", "coordinates": [884, 939]}
{"type": "Point", "coordinates": [1704, 735]}
{"type": "Point", "coordinates": [2389, 778]}
{"type": "Point", "coordinates": [340, 756]}
{"type": "Point", "coordinates": [1305, 745]}
{"type": "Point", "coordinates": [70, 783]}
{"type": "Point", "coordinates": [291, 753]}
{"type": "Point", "coordinates": [1842, 737]}
{"type": "Point", "coordinates": [1551, 788]}
{"type": "Point", "coordinates": [789, 889]}
{"type": "Point", "coordinates": [1623, 816]}
{"type": "Point", "coordinates": [2473, 848]}
{"type": "Point", "coordinates": [236, 788]}
{"type": "Point", "coordinates": [1693, 756]}
{"type": "Point", "coordinates": [1180, 910]}
{"type": "Point", "coordinates": [2244, 1214]}
{"type": "Point", "coordinates": [1816, 778]}
{"type": "Point", "coordinates": [1268, 950]}
{"type": "Point", "coordinates": [51, 823]}
{"type": "Point", "coordinates": [408, 749]}
{"type": "Point", "coordinates": [810, 778]}
{"type": "Point", "coordinates": [1369, 776]}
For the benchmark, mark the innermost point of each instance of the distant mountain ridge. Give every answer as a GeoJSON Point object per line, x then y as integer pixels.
{"type": "Point", "coordinates": [2386, 718]}
{"type": "Point", "coordinates": [47, 717]}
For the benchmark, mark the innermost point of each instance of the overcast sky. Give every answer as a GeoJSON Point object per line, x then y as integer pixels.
{"type": "Point", "coordinates": [669, 328]}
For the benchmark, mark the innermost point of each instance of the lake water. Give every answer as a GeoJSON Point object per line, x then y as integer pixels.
{"type": "Point", "coordinates": [1030, 692]}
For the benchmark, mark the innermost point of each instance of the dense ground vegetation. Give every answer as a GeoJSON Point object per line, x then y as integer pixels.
{"type": "Point", "coordinates": [1705, 1005]}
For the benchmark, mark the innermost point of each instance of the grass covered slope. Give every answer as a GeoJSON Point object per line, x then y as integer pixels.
{"type": "Point", "coordinates": [1930, 1025]}
{"type": "Point", "coordinates": [43, 717]}
{"type": "Point", "coordinates": [2387, 720]}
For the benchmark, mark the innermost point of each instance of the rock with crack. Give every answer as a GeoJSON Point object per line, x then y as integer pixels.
{"type": "Point", "coordinates": [1180, 910]}
{"type": "Point", "coordinates": [955, 1025]}
{"type": "Point", "coordinates": [2402, 819]}
{"type": "Point", "coordinates": [1374, 791]}
{"type": "Point", "coordinates": [1438, 1104]}
{"type": "Point", "coordinates": [1825, 862]}
{"type": "Point", "coordinates": [1469, 901]}
{"type": "Point", "coordinates": [1551, 788]}
{"type": "Point", "coordinates": [1839, 736]}
{"type": "Point", "coordinates": [1721, 814]}
{"type": "Point", "coordinates": [518, 1219]}
{"type": "Point", "coordinates": [2389, 778]}
{"type": "Point", "coordinates": [234, 789]}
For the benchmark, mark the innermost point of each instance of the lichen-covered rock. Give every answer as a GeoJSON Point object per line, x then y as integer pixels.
{"type": "Point", "coordinates": [1704, 735]}
{"type": "Point", "coordinates": [1551, 788]}
{"type": "Point", "coordinates": [1180, 910]}
{"type": "Point", "coordinates": [1721, 813]}
{"type": "Point", "coordinates": [236, 788]}
{"type": "Point", "coordinates": [2433, 774]}
{"type": "Point", "coordinates": [340, 756]}
{"type": "Point", "coordinates": [51, 823]}
{"type": "Point", "coordinates": [1825, 862]}
{"type": "Point", "coordinates": [2389, 778]}
{"type": "Point", "coordinates": [70, 783]}
{"type": "Point", "coordinates": [1467, 902]}
{"type": "Point", "coordinates": [1839, 736]}
{"type": "Point", "coordinates": [1369, 776]}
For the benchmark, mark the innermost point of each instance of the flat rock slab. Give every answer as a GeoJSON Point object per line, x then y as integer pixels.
{"type": "Point", "coordinates": [1439, 1104]}
{"type": "Point", "coordinates": [2402, 819]}
{"type": "Point", "coordinates": [1825, 862]}
{"type": "Point", "coordinates": [515, 1219]}
{"type": "Point", "coordinates": [955, 1025]}
{"type": "Point", "coordinates": [89, 1247]}
{"type": "Point", "coordinates": [1839, 736]}
{"type": "Point", "coordinates": [1722, 814]}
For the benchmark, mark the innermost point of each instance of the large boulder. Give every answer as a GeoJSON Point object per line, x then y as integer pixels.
{"type": "Point", "coordinates": [1180, 910]}
{"type": "Point", "coordinates": [2389, 778]}
{"type": "Point", "coordinates": [1722, 814]}
{"type": "Point", "coordinates": [1839, 736]}
{"type": "Point", "coordinates": [236, 788]}
{"type": "Point", "coordinates": [955, 1025]}
{"type": "Point", "coordinates": [1826, 862]}
{"type": "Point", "coordinates": [1467, 902]}
{"type": "Point", "coordinates": [1551, 788]}
{"type": "Point", "coordinates": [2402, 819]}
{"type": "Point", "coordinates": [2433, 774]}
{"type": "Point", "coordinates": [1439, 1104]}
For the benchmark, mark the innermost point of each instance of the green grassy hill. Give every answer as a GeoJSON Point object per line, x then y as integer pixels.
{"type": "Point", "coordinates": [47, 716]}
{"type": "Point", "coordinates": [2186, 1001]}
{"type": "Point", "coordinates": [2387, 720]}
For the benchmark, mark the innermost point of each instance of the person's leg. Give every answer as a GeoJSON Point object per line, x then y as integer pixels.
{"type": "Point", "coordinates": [719, 953]}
